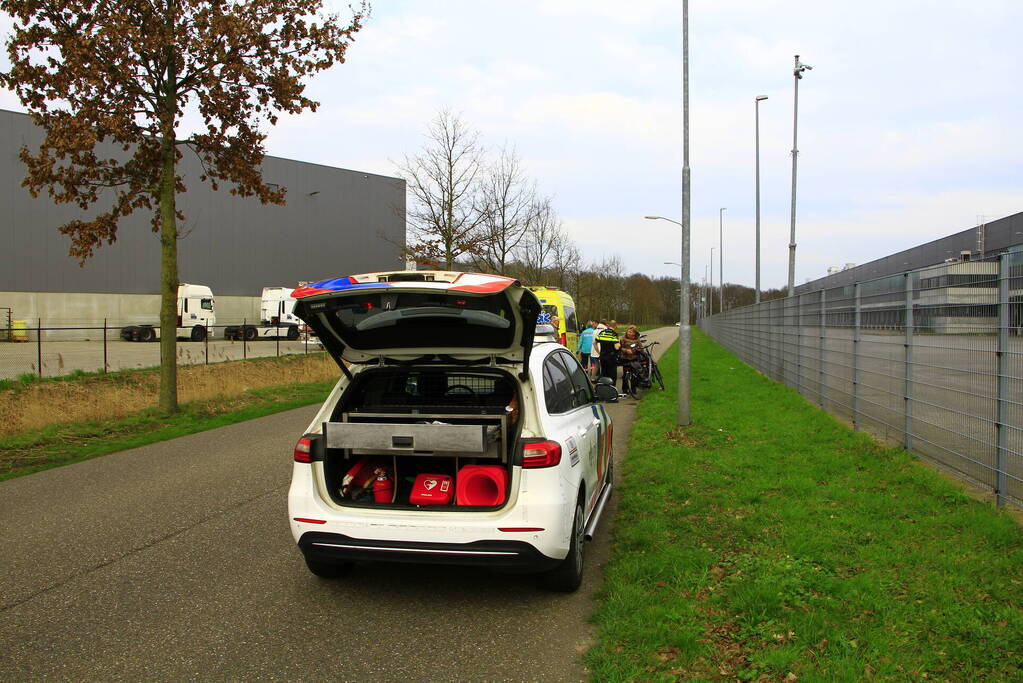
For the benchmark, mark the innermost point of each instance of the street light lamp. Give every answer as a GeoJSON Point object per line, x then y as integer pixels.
{"type": "Point", "coordinates": [721, 257]}
{"type": "Point", "coordinates": [662, 218]}
{"type": "Point", "coordinates": [756, 104]}
{"type": "Point", "coordinates": [797, 75]}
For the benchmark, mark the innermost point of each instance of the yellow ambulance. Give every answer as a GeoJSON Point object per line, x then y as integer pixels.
{"type": "Point", "coordinates": [556, 303]}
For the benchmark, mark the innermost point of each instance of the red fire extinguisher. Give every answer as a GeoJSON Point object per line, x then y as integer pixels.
{"type": "Point", "coordinates": [383, 486]}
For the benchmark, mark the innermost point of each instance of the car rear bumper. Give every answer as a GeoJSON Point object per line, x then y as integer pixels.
{"type": "Point", "coordinates": [517, 555]}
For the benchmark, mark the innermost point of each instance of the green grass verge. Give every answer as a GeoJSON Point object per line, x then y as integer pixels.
{"type": "Point", "coordinates": [65, 444]}
{"type": "Point", "coordinates": [767, 541]}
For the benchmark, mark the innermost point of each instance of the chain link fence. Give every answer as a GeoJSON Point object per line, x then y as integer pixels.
{"type": "Point", "coordinates": [34, 347]}
{"type": "Point", "coordinates": [929, 359]}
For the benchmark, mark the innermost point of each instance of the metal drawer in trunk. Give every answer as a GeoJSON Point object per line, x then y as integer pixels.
{"type": "Point", "coordinates": [476, 440]}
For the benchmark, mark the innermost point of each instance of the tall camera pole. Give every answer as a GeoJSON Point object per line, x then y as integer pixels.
{"type": "Point", "coordinates": [797, 75]}
{"type": "Point", "coordinates": [684, 332]}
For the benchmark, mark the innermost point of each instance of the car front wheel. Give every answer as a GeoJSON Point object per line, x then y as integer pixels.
{"type": "Point", "coordinates": [568, 576]}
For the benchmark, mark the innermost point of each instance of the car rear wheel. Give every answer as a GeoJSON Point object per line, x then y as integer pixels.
{"type": "Point", "coordinates": [569, 574]}
{"type": "Point", "coordinates": [328, 570]}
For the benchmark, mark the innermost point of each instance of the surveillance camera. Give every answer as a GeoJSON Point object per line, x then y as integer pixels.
{"type": "Point", "coordinates": [808, 67]}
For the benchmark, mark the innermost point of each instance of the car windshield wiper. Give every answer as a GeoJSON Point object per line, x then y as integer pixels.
{"type": "Point", "coordinates": [390, 318]}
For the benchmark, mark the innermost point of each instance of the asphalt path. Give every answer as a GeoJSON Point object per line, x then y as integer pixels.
{"type": "Point", "coordinates": [175, 562]}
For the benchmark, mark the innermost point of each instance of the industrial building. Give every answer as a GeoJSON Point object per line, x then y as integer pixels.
{"type": "Point", "coordinates": [336, 221]}
{"type": "Point", "coordinates": [953, 283]}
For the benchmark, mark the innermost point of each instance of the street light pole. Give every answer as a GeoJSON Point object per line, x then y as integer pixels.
{"type": "Point", "coordinates": [712, 281]}
{"type": "Point", "coordinates": [684, 331]}
{"type": "Point", "coordinates": [721, 257]}
{"type": "Point", "coordinates": [756, 103]}
{"type": "Point", "coordinates": [797, 75]}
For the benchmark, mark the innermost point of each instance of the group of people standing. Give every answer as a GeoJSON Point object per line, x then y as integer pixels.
{"type": "Point", "coordinates": [601, 350]}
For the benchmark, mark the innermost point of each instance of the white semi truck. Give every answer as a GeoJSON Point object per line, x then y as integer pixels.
{"type": "Point", "coordinates": [196, 317]}
{"type": "Point", "coordinates": [277, 318]}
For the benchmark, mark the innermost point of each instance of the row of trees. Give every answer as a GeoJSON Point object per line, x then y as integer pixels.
{"type": "Point", "coordinates": [471, 207]}
{"type": "Point", "coordinates": [474, 209]}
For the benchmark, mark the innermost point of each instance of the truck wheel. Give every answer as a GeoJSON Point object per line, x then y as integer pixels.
{"type": "Point", "coordinates": [569, 574]}
{"type": "Point", "coordinates": [329, 570]}
{"type": "Point", "coordinates": [147, 334]}
{"type": "Point", "coordinates": [250, 334]}
{"type": "Point", "coordinates": [198, 333]}
{"type": "Point", "coordinates": [292, 333]}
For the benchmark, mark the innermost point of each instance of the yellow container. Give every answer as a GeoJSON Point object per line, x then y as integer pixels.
{"type": "Point", "coordinates": [19, 330]}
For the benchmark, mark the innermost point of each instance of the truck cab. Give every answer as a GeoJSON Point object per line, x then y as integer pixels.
{"type": "Point", "coordinates": [196, 317]}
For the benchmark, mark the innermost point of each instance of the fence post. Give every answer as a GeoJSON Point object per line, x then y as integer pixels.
{"type": "Point", "coordinates": [799, 343]}
{"type": "Point", "coordinates": [39, 344]}
{"type": "Point", "coordinates": [206, 342]}
{"type": "Point", "coordinates": [907, 392]}
{"type": "Point", "coordinates": [245, 344]}
{"type": "Point", "coordinates": [104, 346]}
{"type": "Point", "coordinates": [821, 394]}
{"type": "Point", "coordinates": [278, 336]}
{"type": "Point", "coordinates": [856, 358]}
{"type": "Point", "coordinates": [1003, 380]}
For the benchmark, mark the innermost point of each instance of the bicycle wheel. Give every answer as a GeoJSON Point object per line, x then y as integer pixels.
{"type": "Point", "coordinates": [656, 373]}
{"type": "Point", "coordinates": [629, 382]}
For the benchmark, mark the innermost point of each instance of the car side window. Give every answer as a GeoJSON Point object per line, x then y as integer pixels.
{"type": "Point", "coordinates": [557, 386]}
{"type": "Point", "coordinates": [570, 320]}
{"type": "Point", "coordinates": [582, 390]}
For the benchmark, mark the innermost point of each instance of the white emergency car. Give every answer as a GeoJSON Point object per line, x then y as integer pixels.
{"type": "Point", "coordinates": [460, 433]}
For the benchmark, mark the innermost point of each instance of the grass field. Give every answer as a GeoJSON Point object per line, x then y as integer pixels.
{"type": "Point", "coordinates": [46, 423]}
{"type": "Point", "coordinates": [768, 541]}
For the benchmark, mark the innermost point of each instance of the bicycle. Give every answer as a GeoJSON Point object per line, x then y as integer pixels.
{"type": "Point", "coordinates": [649, 372]}
{"type": "Point", "coordinates": [630, 377]}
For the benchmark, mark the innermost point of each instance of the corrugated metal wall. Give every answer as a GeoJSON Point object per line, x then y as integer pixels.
{"type": "Point", "coordinates": [336, 222]}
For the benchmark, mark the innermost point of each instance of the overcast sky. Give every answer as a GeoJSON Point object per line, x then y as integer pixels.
{"type": "Point", "coordinates": [909, 123]}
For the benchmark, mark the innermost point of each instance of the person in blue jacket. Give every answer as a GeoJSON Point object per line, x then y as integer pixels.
{"type": "Point", "coordinates": [585, 346]}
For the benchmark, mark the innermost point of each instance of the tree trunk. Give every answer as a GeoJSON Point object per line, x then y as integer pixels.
{"type": "Point", "coordinates": [168, 256]}
{"type": "Point", "coordinates": [168, 284]}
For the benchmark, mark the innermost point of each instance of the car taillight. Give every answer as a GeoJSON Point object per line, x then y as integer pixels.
{"type": "Point", "coordinates": [541, 454]}
{"type": "Point", "coordinates": [563, 339]}
{"type": "Point", "coordinates": [303, 451]}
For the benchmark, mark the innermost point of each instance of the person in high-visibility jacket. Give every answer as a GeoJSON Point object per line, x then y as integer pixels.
{"type": "Point", "coordinates": [607, 342]}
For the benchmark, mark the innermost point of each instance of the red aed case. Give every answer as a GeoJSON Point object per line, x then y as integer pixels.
{"type": "Point", "coordinates": [432, 489]}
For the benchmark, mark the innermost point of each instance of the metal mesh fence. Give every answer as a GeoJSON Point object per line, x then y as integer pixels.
{"type": "Point", "coordinates": [37, 348]}
{"type": "Point", "coordinates": [931, 359]}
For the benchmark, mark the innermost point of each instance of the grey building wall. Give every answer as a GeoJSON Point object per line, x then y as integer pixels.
{"type": "Point", "coordinates": [995, 237]}
{"type": "Point", "coordinates": [336, 222]}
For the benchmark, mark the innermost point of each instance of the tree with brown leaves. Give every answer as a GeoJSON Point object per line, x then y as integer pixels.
{"type": "Point", "coordinates": [112, 83]}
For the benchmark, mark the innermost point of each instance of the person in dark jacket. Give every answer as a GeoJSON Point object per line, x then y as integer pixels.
{"type": "Point", "coordinates": [607, 341]}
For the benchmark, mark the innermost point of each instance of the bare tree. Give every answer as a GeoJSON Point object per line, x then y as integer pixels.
{"type": "Point", "coordinates": [507, 207]}
{"type": "Point", "coordinates": [109, 82]}
{"type": "Point", "coordinates": [567, 261]}
{"type": "Point", "coordinates": [534, 252]}
{"type": "Point", "coordinates": [444, 217]}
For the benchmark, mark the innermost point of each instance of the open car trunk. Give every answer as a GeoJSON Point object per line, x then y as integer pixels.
{"type": "Point", "coordinates": [423, 437]}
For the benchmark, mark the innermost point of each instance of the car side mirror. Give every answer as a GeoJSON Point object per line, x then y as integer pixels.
{"type": "Point", "coordinates": [605, 390]}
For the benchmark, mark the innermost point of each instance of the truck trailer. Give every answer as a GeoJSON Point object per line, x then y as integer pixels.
{"type": "Point", "coordinates": [196, 317]}
{"type": "Point", "coordinates": [277, 318]}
